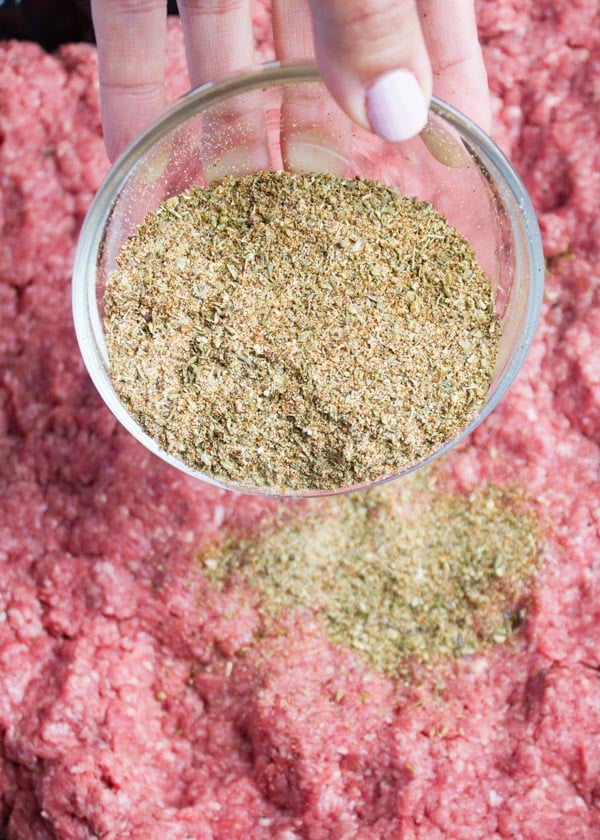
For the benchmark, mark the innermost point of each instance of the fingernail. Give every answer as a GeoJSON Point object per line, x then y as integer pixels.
{"type": "Point", "coordinates": [155, 164]}
{"type": "Point", "coordinates": [237, 163]}
{"type": "Point", "coordinates": [396, 107]}
{"type": "Point", "coordinates": [443, 146]}
{"type": "Point", "coordinates": [309, 152]}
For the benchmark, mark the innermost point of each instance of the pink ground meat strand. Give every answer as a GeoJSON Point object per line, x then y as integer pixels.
{"type": "Point", "coordinates": [119, 716]}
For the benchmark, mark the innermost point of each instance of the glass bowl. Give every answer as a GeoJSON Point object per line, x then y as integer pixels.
{"type": "Point", "coordinates": [281, 116]}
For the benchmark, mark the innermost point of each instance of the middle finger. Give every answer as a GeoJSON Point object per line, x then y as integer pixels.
{"type": "Point", "coordinates": [315, 134]}
{"type": "Point", "coordinates": [219, 40]}
{"type": "Point", "coordinates": [218, 37]}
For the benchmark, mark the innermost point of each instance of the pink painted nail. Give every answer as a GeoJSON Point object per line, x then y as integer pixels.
{"type": "Point", "coordinates": [396, 107]}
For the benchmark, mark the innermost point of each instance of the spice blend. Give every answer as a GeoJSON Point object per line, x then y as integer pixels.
{"type": "Point", "coordinates": [299, 332]}
{"type": "Point", "coordinates": [402, 574]}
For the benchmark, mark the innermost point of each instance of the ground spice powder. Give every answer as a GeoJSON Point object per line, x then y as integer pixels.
{"type": "Point", "coordinates": [403, 576]}
{"type": "Point", "coordinates": [299, 332]}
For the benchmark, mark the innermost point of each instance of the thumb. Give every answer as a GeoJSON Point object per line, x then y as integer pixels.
{"type": "Point", "coordinates": [373, 59]}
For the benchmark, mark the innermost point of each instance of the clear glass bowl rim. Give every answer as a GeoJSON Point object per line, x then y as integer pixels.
{"type": "Point", "coordinates": [88, 327]}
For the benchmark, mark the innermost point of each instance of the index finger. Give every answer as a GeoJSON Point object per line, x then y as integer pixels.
{"type": "Point", "coordinates": [450, 31]}
{"type": "Point", "coordinates": [131, 39]}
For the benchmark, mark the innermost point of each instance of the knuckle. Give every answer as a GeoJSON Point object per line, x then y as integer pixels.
{"type": "Point", "coordinates": [213, 7]}
{"type": "Point", "coordinates": [454, 61]}
{"type": "Point", "coordinates": [141, 92]}
{"type": "Point", "coordinates": [136, 6]}
{"type": "Point", "coordinates": [369, 19]}
{"type": "Point", "coordinates": [364, 19]}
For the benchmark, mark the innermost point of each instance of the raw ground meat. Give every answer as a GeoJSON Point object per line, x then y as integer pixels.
{"type": "Point", "coordinates": [124, 709]}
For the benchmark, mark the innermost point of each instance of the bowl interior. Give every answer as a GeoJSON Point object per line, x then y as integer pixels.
{"type": "Point", "coordinates": [276, 118]}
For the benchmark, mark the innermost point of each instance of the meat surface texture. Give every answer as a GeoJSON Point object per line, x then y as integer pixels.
{"type": "Point", "coordinates": [126, 709]}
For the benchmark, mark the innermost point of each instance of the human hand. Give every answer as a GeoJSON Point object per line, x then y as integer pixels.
{"type": "Point", "coordinates": [379, 58]}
